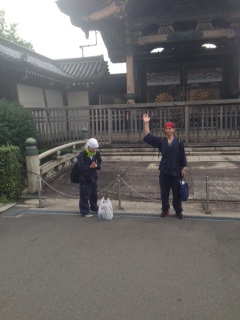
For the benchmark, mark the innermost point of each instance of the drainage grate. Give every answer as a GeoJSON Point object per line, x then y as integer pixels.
{"type": "Point", "coordinates": [16, 211]}
{"type": "Point", "coordinates": [186, 217]}
{"type": "Point", "coordinates": [208, 217]}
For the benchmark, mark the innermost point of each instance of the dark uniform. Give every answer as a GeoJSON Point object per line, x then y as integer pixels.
{"type": "Point", "coordinates": [173, 159]}
{"type": "Point", "coordinates": [88, 182]}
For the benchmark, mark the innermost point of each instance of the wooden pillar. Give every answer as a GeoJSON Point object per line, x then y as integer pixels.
{"type": "Point", "coordinates": [130, 76]}
{"type": "Point", "coordinates": [238, 68]}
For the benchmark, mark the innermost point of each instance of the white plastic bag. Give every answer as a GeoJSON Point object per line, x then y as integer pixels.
{"type": "Point", "coordinates": [105, 211]}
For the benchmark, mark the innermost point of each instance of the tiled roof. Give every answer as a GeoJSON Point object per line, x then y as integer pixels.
{"type": "Point", "coordinates": [64, 69]}
{"type": "Point", "coordinates": [84, 68]}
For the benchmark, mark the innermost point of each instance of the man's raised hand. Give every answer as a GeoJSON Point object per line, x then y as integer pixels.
{"type": "Point", "coordinates": [146, 118]}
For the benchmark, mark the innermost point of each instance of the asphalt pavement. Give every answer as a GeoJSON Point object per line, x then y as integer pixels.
{"type": "Point", "coordinates": [56, 265]}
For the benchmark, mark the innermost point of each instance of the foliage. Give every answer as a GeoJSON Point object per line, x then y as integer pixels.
{"type": "Point", "coordinates": [3, 199]}
{"type": "Point", "coordinates": [16, 125]}
{"type": "Point", "coordinates": [9, 32]}
{"type": "Point", "coordinates": [11, 176]}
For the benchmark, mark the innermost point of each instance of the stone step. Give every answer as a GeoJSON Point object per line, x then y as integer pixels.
{"type": "Point", "coordinates": [189, 151]}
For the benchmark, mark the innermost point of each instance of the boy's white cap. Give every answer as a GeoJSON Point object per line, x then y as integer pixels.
{"type": "Point", "coordinates": [92, 143]}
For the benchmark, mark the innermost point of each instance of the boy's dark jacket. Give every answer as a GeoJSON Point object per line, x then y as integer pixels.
{"type": "Point", "coordinates": [84, 162]}
{"type": "Point", "coordinates": [81, 170]}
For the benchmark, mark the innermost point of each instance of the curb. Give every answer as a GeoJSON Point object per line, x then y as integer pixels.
{"type": "Point", "coordinates": [4, 207]}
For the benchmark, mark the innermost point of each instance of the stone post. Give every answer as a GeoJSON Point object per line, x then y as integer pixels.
{"type": "Point", "coordinates": [84, 135]}
{"type": "Point", "coordinates": [32, 164]}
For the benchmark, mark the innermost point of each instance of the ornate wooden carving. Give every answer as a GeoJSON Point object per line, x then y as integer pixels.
{"type": "Point", "coordinates": [205, 95]}
{"type": "Point", "coordinates": [163, 97]}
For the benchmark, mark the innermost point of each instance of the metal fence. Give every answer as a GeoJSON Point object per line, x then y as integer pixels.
{"type": "Point", "coordinates": [197, 123]}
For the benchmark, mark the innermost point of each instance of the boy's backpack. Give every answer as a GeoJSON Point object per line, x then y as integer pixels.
{"type": "Point", "coordinates": [74, 174]}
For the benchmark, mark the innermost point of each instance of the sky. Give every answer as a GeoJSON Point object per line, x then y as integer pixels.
{"type": "Point", "coordinates": [51, 32]}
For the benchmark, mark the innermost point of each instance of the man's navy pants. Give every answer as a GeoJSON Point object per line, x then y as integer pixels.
{"type": "Point", "coordinates": [168, 182]}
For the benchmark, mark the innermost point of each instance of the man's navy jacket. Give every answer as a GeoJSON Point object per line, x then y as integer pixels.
{"type": "Point", "coordinates": [173, 156]}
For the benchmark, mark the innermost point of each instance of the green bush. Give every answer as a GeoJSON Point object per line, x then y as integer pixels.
{"type": "Point", "coordinates": [16, 125]}
{"type": "Point", "coordinates": [11, 172]}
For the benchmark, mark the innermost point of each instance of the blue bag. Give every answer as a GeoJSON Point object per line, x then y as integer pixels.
{"type": "Point", "coordinates": [184, 190]}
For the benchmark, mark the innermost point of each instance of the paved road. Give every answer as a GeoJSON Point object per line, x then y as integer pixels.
{"type": "Point", "coordinates": [68, 267]}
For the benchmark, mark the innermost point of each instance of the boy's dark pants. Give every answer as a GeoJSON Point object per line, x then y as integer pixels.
{"type": "Point", "coordinates": [168, 182]}
{"type": "Point", "coordinates": [88, 197]}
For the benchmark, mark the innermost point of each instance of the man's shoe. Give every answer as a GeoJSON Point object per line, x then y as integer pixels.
{"type": "Point", "coordinates": [179, 215]}
{"type": "Point", "coordinates": [164, 214]}
{"type": "Point", "coordinates": [87, 215]}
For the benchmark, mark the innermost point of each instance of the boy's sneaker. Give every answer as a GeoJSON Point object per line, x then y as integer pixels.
{"type": "Point", "coordinates": [164, 214]}
{"type": "Point", "coordinates": [87, 215]}
{"type": "Point", "coordinates": [179, 215]}
{"type": "Point", "coordinates": [93, 212]}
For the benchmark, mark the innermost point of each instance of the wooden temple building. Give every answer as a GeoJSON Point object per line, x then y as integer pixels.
{"type": "Point", "coordinates": [37, 81]}
{"type": "Point", "coordinates": [183, 65]}
{"type": "Point", "coordinates": [175, 50]}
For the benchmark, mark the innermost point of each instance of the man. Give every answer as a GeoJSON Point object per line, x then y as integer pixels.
{"type": "Point", "coordinates": [89, 161]}
{"type": "Point", "coordinates": [171, 165]}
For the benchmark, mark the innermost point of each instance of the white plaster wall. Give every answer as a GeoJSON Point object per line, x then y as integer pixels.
{"type": "Point", "coordinates": [78, 98]}
{"type": "Point", "coordinates": [30, 96]}
{"type": "Point", "coordinates": [54, 98]}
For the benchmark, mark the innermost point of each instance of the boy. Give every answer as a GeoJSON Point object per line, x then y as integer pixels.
{"type": "Point", "coordinates": [89, 161]}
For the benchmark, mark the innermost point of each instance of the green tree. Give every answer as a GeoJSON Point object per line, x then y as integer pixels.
{"type": "Point", "coordinates": [16, 126]}
{"type": "Point", "coordinates": [9, 32]}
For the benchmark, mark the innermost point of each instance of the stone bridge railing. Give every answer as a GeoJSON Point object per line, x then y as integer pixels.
{"type": "Point", "coordinates": [58, 161]}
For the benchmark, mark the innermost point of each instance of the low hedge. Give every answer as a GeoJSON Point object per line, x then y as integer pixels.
{"type": "Point", "coordinates": [11, 172]}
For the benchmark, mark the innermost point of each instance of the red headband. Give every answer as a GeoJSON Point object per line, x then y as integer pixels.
{"type": "Point", "coordinates": [169, 125]}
